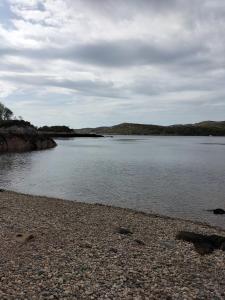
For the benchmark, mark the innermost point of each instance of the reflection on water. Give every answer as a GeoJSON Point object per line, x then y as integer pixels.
{"type": "Point", "coordinates": [10, 165]}
{"type": "Point", "coordinates": [176, 176]}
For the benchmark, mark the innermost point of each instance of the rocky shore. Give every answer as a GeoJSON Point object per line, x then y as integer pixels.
{"type": "Point", "coordinates": [56, 249]}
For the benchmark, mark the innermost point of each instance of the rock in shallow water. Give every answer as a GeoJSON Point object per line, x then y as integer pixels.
{"type": "Point", "coordinates": [219, 211]}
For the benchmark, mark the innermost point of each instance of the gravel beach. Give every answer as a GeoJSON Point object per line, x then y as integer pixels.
{"type": "Point", "coordinates": [57, 249]}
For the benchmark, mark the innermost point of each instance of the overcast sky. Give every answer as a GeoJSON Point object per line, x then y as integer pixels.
{"type": "Point", "coordinates": [101, 62]}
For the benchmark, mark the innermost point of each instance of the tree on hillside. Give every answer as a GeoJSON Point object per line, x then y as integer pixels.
{"type": "Point", "coordinates": [5, 113]}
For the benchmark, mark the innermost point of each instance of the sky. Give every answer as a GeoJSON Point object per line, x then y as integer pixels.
{"type": "Point", "coordinates": [88, 63]}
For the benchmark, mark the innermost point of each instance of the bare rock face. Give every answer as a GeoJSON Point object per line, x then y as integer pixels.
{"type": "Point", "coordinates": [10, 142]}
{"type": "Point", "coordinates": [20, 136]}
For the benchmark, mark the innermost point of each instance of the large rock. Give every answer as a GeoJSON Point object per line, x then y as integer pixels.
{"type": "Point", "coordinates": [10, 142]}
{"type": "Point", "coordinates": [204, 244]}
{"type": "Point", "coordinates": [19, 136]}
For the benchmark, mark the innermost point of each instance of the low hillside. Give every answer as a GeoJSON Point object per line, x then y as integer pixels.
{"type": "Point", "coordinates": [198, 129]}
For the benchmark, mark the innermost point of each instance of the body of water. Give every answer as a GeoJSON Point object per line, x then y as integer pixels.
{"type": "Point", "coordinates": [175, 176]}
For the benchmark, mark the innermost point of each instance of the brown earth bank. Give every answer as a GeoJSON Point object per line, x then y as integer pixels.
{"type": "Point", "coordinates": [57, 249]}
{"type": "Point", "coordinates": [19, 142]}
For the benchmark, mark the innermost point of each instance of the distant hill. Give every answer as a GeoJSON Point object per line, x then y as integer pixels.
{"type": "Point", "coordinates": [198, 129]}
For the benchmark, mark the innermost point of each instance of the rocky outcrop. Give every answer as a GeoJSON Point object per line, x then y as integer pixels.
{"type": "Point", "coordinates": [10, 142]}
{"type": "Point", "coordinates": [20, 136]}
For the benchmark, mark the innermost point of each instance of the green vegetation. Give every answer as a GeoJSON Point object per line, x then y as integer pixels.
{"type": "Point", "coordinates": [5, 113]}
{"type": "Point", "coordinates": [18, 123]}
{"type": "Point", "coordinates": [55, 129]}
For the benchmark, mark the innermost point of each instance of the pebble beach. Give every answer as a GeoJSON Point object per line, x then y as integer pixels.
{"type": "Point", "coordinates": [58, 249]}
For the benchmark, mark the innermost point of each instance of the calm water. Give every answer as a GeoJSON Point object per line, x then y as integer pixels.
{"type": "Point", "coordinates": [176, 176]}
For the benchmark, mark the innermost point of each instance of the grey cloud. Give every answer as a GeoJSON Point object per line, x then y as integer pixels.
{"type": "Point", "coordinates": [120, 53]}
{"type": "Point", "coordinates": [117, 9]}
{"type": "Point", "coordinates": [15, 67]}
{"type": "Point", "coordinates": [197, 84]}
{"type": "Point", "coordinates": [192, 11]}
{"type": "Point", "coordinates": [85, 87]}
{"type": "Point", "coordinates": [131, 52]}
{"type": "Point", "coordinates": [188, 64]}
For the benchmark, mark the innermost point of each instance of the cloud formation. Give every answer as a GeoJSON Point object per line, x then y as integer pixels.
{"type": "Point", "coordinates": [96, 62]}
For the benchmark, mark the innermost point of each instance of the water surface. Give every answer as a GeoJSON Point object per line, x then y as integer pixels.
{"type": "Point", "coordinates": [175, 176]}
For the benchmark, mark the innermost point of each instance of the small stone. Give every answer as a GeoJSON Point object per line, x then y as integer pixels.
{"type": "Point", "coordinates": [114, 250]}
{"type": "Point", "coordinates": [87, 245]}
{"type": "Point", "coordinates": [168, 244]}
{"type": "Point", "coordinates": [139, 242]}
{"type": "Point", "coordinates": [123, 230]}
{"type": "Point", "coordinates": [24, 237]}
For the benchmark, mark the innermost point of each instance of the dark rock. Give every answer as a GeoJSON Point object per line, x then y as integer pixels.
{"type": "Point", "coordinates": [125, 231]}
{"type": "Point", "coordinates": [114, 250]}
{"type": "Point", "coordinates": [218, 211]}
{"type": "Point", "coordinates": [139, 242]}
{"type": "Point", "coordinates": [204, 244]}
{"type": "Point", "coordinates": [216, 240]}
{"type": "Point", "coordinates": [19, 136]}
{"type": "Point", "coordinates": [222, 246]}
{"type": "Point", "coordinates": [86, 245]}
{"type": "Point", "coordinates": [203, 248]}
